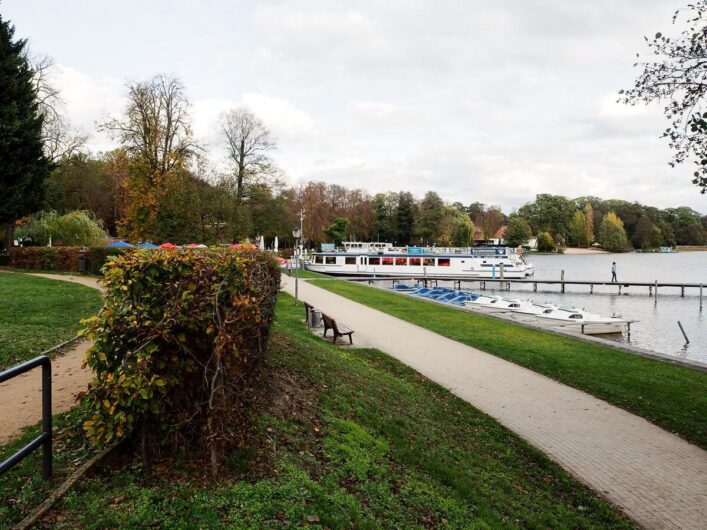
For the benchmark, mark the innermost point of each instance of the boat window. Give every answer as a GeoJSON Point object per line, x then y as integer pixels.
{"type": "Point", "coordinates": [401, 261]}
{"type": "Point", "coordinates": [387, 261]}
{"type": "Point", "coordinates": [331, 260]}
{"type": "Point", "coordinates": [415, 261]}
{"type": "Point", "coordinates": [428, 262]}
{"type": "Point", "coordinates": [318, 259]}
{"type": "Point", "coordinates": [576, 316]}
{"type": "Point", "coordinates": [350, 260]}
{"type": "Point", "coordinates": [374, 261]}
{"type": "Point", "coordinates": [443, 262]}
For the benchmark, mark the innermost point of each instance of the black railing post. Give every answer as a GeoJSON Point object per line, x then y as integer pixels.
{"type": "Point", "coordinates": [44, 439]}
{"type": "Point", "coordinates": [47, 419]}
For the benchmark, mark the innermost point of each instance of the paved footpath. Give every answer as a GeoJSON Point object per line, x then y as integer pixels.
{"type": "Point", "coordinates": [21, 397]}
{"type": "Point", "coordinates": [655, 477]}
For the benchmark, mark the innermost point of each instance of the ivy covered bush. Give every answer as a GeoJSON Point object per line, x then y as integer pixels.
{"type": "Point", "coordinates": [176, 344]}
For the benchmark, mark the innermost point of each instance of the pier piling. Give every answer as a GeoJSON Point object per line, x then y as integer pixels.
{"type": "Point", "coordinates": [591, 289]}
{"type": "Point", "coordinates": [687, 341]}
{"type": "Point", "coordinates": [700, 297]}
{"type": "Point", "coordinates": [562, 279]}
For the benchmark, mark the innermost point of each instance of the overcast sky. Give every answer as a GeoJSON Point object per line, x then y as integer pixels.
{"type": "Point", "coordinates": [477, 100]}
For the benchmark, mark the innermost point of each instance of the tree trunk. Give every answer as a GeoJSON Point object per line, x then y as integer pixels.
{"type": "Point", "coordinates": [9, 235]}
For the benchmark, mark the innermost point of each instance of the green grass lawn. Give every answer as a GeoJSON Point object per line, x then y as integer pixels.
{"type": "Point", "coordinates": [345, 438]}
{"type": "Point", "coordinates": [37, 313]}
{"type": "Point", "coordinates": [672, 396]}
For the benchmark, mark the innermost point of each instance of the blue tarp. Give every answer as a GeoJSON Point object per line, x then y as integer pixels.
{"type": "Point", "coordinates": [147, 244]}
{"type": "Point", "coordinates": [120, 244]}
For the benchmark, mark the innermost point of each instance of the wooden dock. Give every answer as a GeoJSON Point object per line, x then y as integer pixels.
{"type": "Point", "coordinates": [506, 283]}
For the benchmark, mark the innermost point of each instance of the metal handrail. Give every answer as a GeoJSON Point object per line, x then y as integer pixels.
{"type": "Point", "coordinates": [44, 439]}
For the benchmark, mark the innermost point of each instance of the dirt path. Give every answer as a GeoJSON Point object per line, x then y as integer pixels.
{"type": "Point", "coordinates": [655, 477]}
{"type": "Point", "coordinates": [21, 397]}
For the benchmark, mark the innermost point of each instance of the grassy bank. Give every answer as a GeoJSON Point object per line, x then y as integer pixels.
{"type": "Point", "coordinates": [672, 396]}
{"type": "Point", "coordinates": [37, 313]}
{"type": "Point", "coordinates": [347, 439]}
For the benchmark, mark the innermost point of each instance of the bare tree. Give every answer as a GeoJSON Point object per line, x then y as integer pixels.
{"type": "Point", "coordinates": [248, 142]}
{"type": "Point", "coordinates": [59, 139]}
{"type": "Point", "coordinates": [156, 128]}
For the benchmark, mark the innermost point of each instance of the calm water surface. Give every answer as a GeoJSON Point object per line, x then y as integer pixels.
{"type": "Point", "coordinates": [657, 328]}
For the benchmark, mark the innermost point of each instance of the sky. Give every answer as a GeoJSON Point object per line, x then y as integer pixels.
{"type": "Point", "coordinates": [479, 101]}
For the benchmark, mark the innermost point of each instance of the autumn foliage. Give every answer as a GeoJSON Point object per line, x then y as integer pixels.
{"type": "Point", "coordinates": [176, 345]}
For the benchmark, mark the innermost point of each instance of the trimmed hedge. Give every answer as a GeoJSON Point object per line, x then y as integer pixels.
{"type": "Point", "coordinates": [176, 344]}
{"type": "Point", "coordinates": [61, 258]}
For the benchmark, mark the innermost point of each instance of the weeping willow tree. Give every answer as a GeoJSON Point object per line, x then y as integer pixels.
{"type": "Point", "coordinates": [77, 228]}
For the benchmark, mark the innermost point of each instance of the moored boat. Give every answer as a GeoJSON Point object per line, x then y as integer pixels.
{"type": "Point", "coordinates": [382, 259]}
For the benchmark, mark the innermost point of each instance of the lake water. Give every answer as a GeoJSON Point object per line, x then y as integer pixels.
{"type": "Point", "coordinates": [657, 327]}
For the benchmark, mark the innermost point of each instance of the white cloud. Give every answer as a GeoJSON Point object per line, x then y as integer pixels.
{"type": "Point", "coordinates": [489, 101]}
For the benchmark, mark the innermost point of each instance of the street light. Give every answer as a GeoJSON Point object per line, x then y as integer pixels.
{"type": "Point", "coordinates": [297, 234]}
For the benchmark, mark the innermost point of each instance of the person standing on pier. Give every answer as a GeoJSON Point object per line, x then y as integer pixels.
{"type": "Point", "coordinates": [613, 272]}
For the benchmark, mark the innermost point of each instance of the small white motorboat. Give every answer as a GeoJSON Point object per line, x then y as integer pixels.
{"type": "Point", "coordinates": [591, 323]}
{"type": "Point", "coordinates": [484, 300]}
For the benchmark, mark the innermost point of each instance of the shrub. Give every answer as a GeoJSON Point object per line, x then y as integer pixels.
{"type": "Point", "coordinates": [61, 258]}
{"type": "Point", "coordinates": [45, 258]}
{"type": "Point", "coordinates": [98, 256]}
{"type": "Point", "coordinates": [546, 243]}
{"type": "Point", "coordinates": [175, 345]}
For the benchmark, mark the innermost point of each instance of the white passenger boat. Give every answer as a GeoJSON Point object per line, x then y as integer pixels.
{"type": "Point", "coordinates": [382, 259]}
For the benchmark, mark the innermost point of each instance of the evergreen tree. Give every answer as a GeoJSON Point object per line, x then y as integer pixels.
{"type": "Point", "coordinates": [23, 165]}
{"type": "Point", "coordinates": [428, 222]}
{"type": "Point", "coordinates": [337, 230]}
{"type": "Point", "coordinates": [405, 215]}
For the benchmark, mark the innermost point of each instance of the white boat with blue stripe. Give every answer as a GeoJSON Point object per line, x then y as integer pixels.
{"type": "Point", "coordinates": [382, 259]}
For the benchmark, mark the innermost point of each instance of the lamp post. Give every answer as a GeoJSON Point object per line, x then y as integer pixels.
{"type": "Point", "coordinates": [297, 234]}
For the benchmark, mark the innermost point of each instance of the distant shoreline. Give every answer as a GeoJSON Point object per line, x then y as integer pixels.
{"type": "Point", "coordinates": [580, 250]}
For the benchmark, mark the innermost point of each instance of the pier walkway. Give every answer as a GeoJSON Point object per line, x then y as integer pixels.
{"type": "Point", "coordinates": [655, 477]}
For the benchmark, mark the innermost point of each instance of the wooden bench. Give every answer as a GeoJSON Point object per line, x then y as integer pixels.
{"type": "Point", "coordinates": [339, 329]}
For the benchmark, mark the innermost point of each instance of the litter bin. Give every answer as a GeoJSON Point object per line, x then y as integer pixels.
{"type": "Point", "coordinates": [83, 261]}
{"type": "Point", "coordinates": [315, 318]}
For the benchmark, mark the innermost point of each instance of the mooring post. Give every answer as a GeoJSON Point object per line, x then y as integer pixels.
{"type": "Point", "coordinates": [656, 290]}
{"type": "Point", "coordinates": [562, 279]}
{"type": "Point", "coordinates": [687, 341]}
{"type": "Point", "coordinates": [535, 287]}
{"type": "Point", "coordinates": [591, 289]}
{"type": "Point", "coordinates": [682, 291]}
{"type": "Point", "coordinates": [619, 289]}
{"type": "Point", "coordinates": [650, 290]}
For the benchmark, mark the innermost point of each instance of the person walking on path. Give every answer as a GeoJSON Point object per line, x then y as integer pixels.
{"type": "Point", "coordinates": [289, 267]}
{"type": "Point", "coordinates": [613, 273]}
